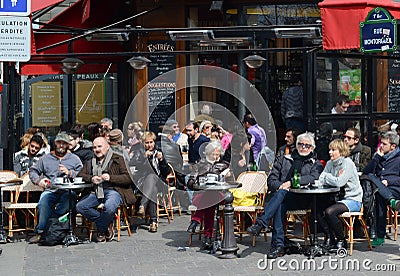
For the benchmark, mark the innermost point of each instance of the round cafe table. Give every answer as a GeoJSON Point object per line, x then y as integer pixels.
{"type": "Point", "coordinates": [227, 245]}
{"type": "Point", "coordinates": [315, 249]}
{"type": "Point", "coordinates": [71, 239]}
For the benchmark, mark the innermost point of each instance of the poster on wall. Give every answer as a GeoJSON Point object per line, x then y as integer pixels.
{"type": "Point", "coordinates": [46, 104]}
{"type": "Point", "coordinates": [89, 101]}
{"type": "Point", "coordinates": [394, 86]}
{"type": "Point", "coordinates": [350, 85]}
{"type": "Point", "coordinates": [161, 93]}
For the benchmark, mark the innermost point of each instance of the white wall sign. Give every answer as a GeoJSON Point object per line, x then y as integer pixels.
{"type": "Point", "coordinates": [15, 38]}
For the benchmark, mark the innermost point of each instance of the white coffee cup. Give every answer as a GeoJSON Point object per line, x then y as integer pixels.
{"type": "Point", "coordinates": [78, 180]}
{"type": "Point", "coordinates": [317, 183]}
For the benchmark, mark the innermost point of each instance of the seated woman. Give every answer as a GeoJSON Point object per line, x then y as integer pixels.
{"type": "Point", "coordinates": [206, 201]}
{"type": "Point", "coordinates": [302, 160]}
{"type": "Point", "coordinates": [340, 171]}
{"type": "Point", "coordinates": [152, 170]}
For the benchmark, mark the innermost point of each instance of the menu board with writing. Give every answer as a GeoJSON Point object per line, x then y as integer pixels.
{"type": "Point", "coordinates": [46, 104]}
{"type": "Point", "coordinates": [394, 85]}
{"type": "Point", "coordinates": [161, 92]}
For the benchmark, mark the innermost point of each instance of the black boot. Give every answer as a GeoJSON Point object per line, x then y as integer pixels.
{"type": "Point", "coordinates": [207, 244]}
{"type": "Point", "coordinates": [341, 244]}
{"type": "Point", "coordinates": [329, 241]}
{"type": "Point", "coordinates": [192, 226]}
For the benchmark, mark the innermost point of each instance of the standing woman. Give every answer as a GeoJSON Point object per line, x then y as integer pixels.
{"type": "Point", "coordinates": [340, 171]}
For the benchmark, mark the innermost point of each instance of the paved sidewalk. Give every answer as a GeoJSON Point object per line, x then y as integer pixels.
{"type": "Point", "coordinates": [147, 253]}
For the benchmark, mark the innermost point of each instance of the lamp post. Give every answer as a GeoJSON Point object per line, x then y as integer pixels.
{"type": "Point", "coordinates": [70, 66]}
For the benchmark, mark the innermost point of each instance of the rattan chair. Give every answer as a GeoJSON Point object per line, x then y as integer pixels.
{"type": "Point", "coordinates": [251, 182]}
{"type": "Point", "coordinates": [393, 221]}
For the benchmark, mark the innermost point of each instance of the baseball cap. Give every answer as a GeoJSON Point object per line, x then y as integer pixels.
{"type": "Point", "coordinates": [62, 137]}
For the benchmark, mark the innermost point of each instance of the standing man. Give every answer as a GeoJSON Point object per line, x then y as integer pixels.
{"type": "Point", "coordinates": [195, 140]}
{"type": "Point", "coordinates": [178, 137]}
{"type": "Point", "coordinates": [359, 153]}
{"type": "Point", "coordinates": [292, 104]}
{"type": "Point", "coordinates": [26, 158]}
{"type": "Point", "coordinates": [258, 137]}
{"type": "Point", "coordinates": [384, 171]}
{"type": "Point", "coordinates": [113, 186]}
{"type": "Point", "coordinates": [58, 163]}
{"type": "Point", "coordinates": [106, 123]}
{"type": "Point", "coordinates": [290, 138]}
{"type": "Point", "coordinates": [341, 106]}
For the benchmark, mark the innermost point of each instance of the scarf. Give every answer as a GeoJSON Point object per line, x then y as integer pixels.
{"type": "Point", "coordinates": [389, 155]}
{"type": "Point", "coordinates": [98, 169]}
{"type": "Point", "coordinates": [297, 164]}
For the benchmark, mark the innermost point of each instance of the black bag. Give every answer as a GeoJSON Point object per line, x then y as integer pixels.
{"type": "Point", "coordinates": [55, 232]}
{"type": "Point", "coordinates": [292, 247]}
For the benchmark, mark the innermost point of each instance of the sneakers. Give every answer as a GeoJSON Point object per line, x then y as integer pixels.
{"type": "Point", "coordinates": [377, 242]}
{"type": "Point", "coordinates": [255, 229]}
{"type": "Point", "coordinates": [395, 204]}
{"type": "Point", "coordinates": [276, 252]}
{"type": "Point", "coordinates": [153, 227]}
{"type": "Point", "coordinates": [110, 232]}
{"type": "Point", "coordinates": [35, 239]}
{"type": "Point", "coordinates": [141, 211]}
{"type": "Point", "coordinates": [101, 238]}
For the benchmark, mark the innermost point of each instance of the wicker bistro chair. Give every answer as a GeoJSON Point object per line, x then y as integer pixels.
{"type": "Point", "coordinates": [393, 221]}
{"type": "Point", "coordinates": [251, 182]}
{"type": "Point", "coordinates": [165, 201]}
{"type": "Point", "coordinates": [348, 219]}
{"type": "Point", "coordinates": [6, 176]}
{"type": "Point", "coordinates": [28, 208]}
{"type": "Point", "coordinates": [302, 215]}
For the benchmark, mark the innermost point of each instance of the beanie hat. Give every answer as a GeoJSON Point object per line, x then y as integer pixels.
{"type": "Point", "coordinates": [115, 136]}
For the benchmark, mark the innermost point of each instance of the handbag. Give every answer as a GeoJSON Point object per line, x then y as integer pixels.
{"type": "Point", "coordinates": [242, 198]}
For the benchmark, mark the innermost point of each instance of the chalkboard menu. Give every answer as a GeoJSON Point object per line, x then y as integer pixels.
{"type": "Point", "coordinates": [161, 92]}
{"type": "Point", "coordinates": [394, 86]}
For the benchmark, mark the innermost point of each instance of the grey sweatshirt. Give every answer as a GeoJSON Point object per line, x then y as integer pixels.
{"type": "Point", "coordinates": [349, 178]}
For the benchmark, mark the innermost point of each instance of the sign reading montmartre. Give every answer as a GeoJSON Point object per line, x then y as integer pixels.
{"type": "Point", "coordinates": [15, 38]}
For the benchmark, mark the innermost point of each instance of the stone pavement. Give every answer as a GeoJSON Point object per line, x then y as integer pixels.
{"type": "Point", "coordinates": [147, 253]}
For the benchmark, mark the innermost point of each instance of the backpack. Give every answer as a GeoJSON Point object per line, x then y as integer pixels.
{"type": "Point", "coordinates": [55, 232]}
{"type": "Point", "coordinates": [265, 159]}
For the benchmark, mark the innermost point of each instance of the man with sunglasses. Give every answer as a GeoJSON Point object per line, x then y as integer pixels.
{"type": "Point", "coordinates": [26, 158]}
{"type": "Point", "coordinates": [359, 153]}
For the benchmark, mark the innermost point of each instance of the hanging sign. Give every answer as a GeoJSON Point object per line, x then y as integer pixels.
{"type": "Point", "coordinates": [378, 33]}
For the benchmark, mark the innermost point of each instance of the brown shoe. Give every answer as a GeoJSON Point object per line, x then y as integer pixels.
{"type": "Point", "coordinates": [140, 212]}
{"type": "Point", "coordinates": [35, 239]}
{"type": "Point", "coordinates": [153, 227]}
{"type": "Point", "coordinates": [110, 231]}
{"type": "Point", "coordinates": [101, 237]}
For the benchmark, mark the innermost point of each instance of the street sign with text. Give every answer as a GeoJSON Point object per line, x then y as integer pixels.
{"type": "Point", "coordinates": [15, 7]}
{"type": "Point", "coordinates": [15, 38]}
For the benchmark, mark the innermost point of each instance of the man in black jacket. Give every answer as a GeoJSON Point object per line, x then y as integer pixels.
{"type": "Point", "coordinates": [360, 154]}
{"type": "Point", "coordinates": [77, 145]}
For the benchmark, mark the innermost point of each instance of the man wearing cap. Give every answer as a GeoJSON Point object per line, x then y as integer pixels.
{"type": "Point", "coordinates": [178, 137]}
{"type": "Point", "coordinates": [58, 163]}
{"type": "Point", "coordinates": [115, 138]}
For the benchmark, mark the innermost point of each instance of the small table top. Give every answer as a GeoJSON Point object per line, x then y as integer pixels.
{"type": "Point", "coordinates": [75, 185]}
{"type": "Point", "coordinates": [11, 183]}
{"type": "Point", "coordinates": [313, 190]}
{"type": "Point", "coordinates": [218, 186]}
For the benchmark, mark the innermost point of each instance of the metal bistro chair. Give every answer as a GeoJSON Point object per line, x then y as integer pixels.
{"type": "Point", "coordinates": [251, 182]}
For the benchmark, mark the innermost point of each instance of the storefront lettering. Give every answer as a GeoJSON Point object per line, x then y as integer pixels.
{"type": "Point", "coordinates": [160, 47]}
{"type": "Point", "coordinates": [377, 41]}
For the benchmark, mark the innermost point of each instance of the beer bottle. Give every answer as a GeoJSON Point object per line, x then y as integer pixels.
{"type": "Point", "coordinates": [295, 180]}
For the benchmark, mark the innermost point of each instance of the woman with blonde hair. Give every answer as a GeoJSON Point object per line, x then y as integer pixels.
{"type": "Point", "coordinates": [340, 171]}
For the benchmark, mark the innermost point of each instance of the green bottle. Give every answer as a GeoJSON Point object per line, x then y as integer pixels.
{"type": "Point", "coordinates": [255, 167]}
{"type": "Point", "coordinates": [295, 180]}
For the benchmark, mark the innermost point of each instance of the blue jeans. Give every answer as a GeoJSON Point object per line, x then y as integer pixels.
{"type": "Point", "coordinates": [275, 209]}
{"type": "Point", "coordinates": [46, 205]}
{"type": "Point", "coordinates": [88, 208]}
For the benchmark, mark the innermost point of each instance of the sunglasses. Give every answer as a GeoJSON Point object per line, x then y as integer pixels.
{"type": "Point", "coordinates": [349, 137]}
{"type": "Point", "coordinates": [302, 145]}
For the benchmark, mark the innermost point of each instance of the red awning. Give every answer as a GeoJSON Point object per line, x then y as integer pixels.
{"type": "Point", "coordinates": [37, 5]}
{"type": "Point", "coordinates": [41, 63]}
{"type": "Point", "coordinates": [341, 20]}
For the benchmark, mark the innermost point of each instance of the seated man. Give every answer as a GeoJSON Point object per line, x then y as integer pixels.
{"type": "Point", "coordinates": [384, 171]}
{"type": "Point", "coordinates": [26, 158]}
{"type": "Point", "coordinates": [359, 153]}
{"type": "Point", "coordinates": [301, 161]}
{"type": "Point", "coordinates": [58, 163]}
{"type": "Point", "coordinates": [113, 186]}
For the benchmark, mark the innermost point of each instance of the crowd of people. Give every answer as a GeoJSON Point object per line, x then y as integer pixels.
{"type": "Point", "coordinates": [126, 167]}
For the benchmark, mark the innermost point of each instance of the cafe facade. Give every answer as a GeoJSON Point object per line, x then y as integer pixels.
{"type": "Point", "coordinates": [175, 34]}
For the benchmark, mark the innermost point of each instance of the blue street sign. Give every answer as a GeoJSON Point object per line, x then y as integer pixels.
{"type": "Point", "coordinates": [15, 7]}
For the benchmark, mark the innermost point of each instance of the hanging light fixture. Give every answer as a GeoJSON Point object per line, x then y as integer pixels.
{"type": "Point", "coordinates": [139, 62]}
{"type": "Point", "coordinates": [254, 61]}
{"type": "Point", "coordinates": [71, 65]}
